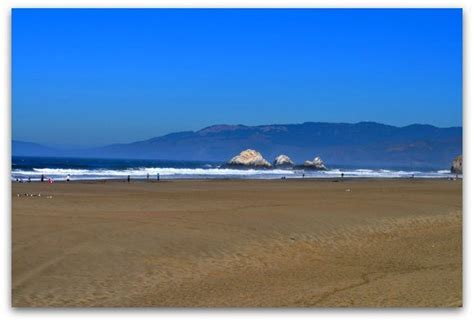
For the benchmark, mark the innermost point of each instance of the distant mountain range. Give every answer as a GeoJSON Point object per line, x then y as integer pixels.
{"type": "Point", "coordinates": [361, 144]}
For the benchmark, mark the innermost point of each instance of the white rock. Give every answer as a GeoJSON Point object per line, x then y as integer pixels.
{"type": "Point", "coordinates": [249, 158]}
{"type": "Point", "coordinates": [456, 165]}
{"type": "Point", "coordinates": [317, 164]}
{"type": "Point", "coordinates": [283, 161]}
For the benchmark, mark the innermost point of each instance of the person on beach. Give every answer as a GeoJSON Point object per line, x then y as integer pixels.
{"type": "Point", "coordinates": [148, 176]}
{"type": "Point", "coordinates": [342, 175]}
{"type": "Point", "coordinates": [29, 179]}
{"type": "Point", "coordinates": [157, 177]}
{"type": "Point", "coordinates": [68, 178]}
{"type": "Point", "coordinates": [42, 178]}
{"type": "Point", "coordinates": [128, 178]}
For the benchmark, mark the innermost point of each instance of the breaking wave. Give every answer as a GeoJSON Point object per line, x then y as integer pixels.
{"type": "Point", "coordinates": [207, 172]}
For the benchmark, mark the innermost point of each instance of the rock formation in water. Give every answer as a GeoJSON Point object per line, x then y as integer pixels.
{"type": "Point", "coordinates": [316, 164]}
{"type": "Point", "coordinates": [456, 165]}
{"type": "Point", "coordinates": [283, 161]}
{"type": "Point", "coordinates": [249, 159]}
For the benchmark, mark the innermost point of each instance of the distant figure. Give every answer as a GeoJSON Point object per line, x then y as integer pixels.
{"type": "Point", "coordinates": [50, 180]}
{"type": "Point", "coordinates": [303, 175]}
{"type": "Point", "coordinates": [17, 179]}
{"type": "Point", "coordinates": [413, 176]}
{"type": "Point", "coordinates": [148, 176]}
{"type": "Point", "coordinates": [342, 175]}
{"type": "Point", "coordinates": [128, 178]}
{"type": "Point", "coordinates": [29, 179]}
{"type": "Point", "coordinates": [158, 177]}
{"type": "Point", "coordinates": [42, 178]}
{"type": "Point", "coordinates": [68, 177]}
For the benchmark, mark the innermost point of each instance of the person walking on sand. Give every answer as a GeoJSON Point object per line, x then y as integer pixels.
{"type": "Point", "coordinates": [342, 175]}
{"type": "Point", "coordinates": [148, 176]}
{"type": "Point", "coordinates": [128, 178]}
{"type": "Point", "coordinates": [157, 177]}
{"type": "Point", "coordinates": [42, 178]}
{"type": "Point", "coordinates": [68, 178]}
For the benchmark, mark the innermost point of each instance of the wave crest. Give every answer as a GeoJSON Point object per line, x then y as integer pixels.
{"type": "Point", "coordinates": [209, 173]}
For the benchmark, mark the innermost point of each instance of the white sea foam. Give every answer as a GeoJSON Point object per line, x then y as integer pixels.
{"type": "Point", "coordinates": [443, 171]}
{"type": "Point", "coordinates": [187, 173]}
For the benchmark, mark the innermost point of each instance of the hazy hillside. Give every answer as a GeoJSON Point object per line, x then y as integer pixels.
{"type": "Point", "coordinates": [33, 149]}
{"type": "Point", "coordinates": [360, 144]}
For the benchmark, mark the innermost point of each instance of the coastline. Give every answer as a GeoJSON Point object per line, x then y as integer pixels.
{"type": "Point", "coordinates": [104, 169]}
{"type": "Point", "coordinates": [451, 177]}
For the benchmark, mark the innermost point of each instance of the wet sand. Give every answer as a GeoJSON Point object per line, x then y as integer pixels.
{"type": "Point", "coordinates": [231, 243]}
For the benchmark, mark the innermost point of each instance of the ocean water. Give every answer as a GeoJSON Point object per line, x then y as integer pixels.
{"type": "Point", "coordinates": [96, 169]}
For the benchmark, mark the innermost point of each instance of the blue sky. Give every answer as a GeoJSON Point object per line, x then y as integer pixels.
{"type": "Point", "coordinates": [92, 77]}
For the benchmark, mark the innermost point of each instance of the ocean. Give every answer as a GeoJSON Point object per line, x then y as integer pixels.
{"type": "Point", "coordinates": [24, 168]}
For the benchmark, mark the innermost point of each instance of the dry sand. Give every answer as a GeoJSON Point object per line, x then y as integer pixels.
{"type": "Point", "coordinates": [268, 243]}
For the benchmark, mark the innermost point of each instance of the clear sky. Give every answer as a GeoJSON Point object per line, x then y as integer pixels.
{"type": "Point", "coordinates": [92, 77]}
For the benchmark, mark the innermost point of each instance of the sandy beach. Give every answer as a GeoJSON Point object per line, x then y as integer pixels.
{"type": "Point", "coordinates": [238, 243]}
